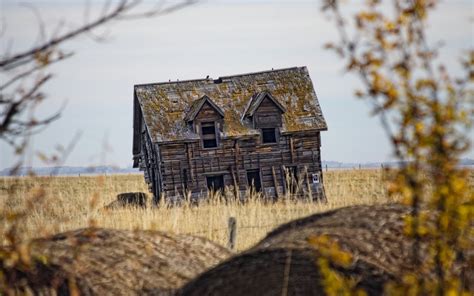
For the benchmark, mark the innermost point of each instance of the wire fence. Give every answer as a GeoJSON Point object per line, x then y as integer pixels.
{"type": "Point", "coordinates": [232, 230]}
{"type": "Point", "coordinates": [226, 229]}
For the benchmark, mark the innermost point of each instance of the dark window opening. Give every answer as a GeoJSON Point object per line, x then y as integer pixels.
{"type": "Point", "coordinates": [253, 179]}
{"type": "Point", "coordinates": [291, 177]}
{"type": "Point", "coordinates": [185, 179]}
{"type": "Point", "coordinates": [208, 130]}
{"type": "Point", "coordinates": [209, 143]}
{"type": "Point", "coordinates": [215, 183]}
{"type": "Point", "coordinates": [208, 133]}
{"type": "Point", "coordinates": [268, 135]}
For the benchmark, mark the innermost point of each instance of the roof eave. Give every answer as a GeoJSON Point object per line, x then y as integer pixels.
{"type": "Point", "coordinates": [305, 130]}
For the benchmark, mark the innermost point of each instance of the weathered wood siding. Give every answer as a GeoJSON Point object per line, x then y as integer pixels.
{"type": "Point", "coordinates": [234, 157]}
{"type": "Point", "coordinates": [207, 113]}
{"type": "Point", "coordinates": [268, 115]}
{"type": "Point", "coordinates": [148, 160]}
{"type": "Point", "coordinates": [137, 125]}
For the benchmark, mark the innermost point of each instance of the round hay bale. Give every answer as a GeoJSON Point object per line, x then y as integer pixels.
{"type": "Point", "coordinates": [128, 199]}
{"type": "Point", "coordinates": [284, 262]}
{"type": "Point", "coordinates": [133, 198]}
{"type": "Point", "coordinates": [119, 262]}
{"type": "Point", "coordinates": [137, 199]}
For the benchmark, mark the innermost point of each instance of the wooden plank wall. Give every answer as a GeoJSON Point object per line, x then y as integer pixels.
{"type": "Point", "coordinates": [267, 115]}
{"type": "Point", "coordinates": [207, 113]}
{"type": "Point", "coordinates": [148, 163]}
{"type": "Point", "coordinates": [301, 149]}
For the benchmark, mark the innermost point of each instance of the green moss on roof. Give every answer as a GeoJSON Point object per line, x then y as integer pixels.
{"type": "Point", "coordinates": [164, 105]}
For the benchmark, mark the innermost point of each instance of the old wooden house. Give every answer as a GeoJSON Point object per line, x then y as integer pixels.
{"type": "Point", "coordinates": [257, 130]}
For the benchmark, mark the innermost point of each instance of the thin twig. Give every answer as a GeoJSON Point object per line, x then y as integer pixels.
{"type": "Point", "coordinates": [34, 69]}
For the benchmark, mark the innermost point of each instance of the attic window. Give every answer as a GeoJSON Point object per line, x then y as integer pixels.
{"type": "Point", "coordinates": [208, 133]}
{"type": "Point", "coordinates": [269, 135]}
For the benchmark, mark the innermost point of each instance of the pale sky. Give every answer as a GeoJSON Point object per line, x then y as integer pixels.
{"type": "Point", "coordinates": [215, 38]}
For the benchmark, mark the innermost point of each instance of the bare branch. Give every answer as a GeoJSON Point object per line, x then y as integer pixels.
{"type": "Point", "coordinates": [13, 124]}
{"type": "Point", "coordinates": [15, 107]}
{"type": "Point", "coordinates": [159, 10]}
{"type": "Point", "coordinates": [26, 55]}
{"type": "Point", "coordinates": [32, 70]}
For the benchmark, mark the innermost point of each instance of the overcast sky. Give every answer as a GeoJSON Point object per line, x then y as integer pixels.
{"type": "Point", "coordinates": [214, 38]}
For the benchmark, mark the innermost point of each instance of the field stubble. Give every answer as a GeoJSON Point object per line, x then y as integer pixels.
{"type": "Point", "coordinates": [48, 205]}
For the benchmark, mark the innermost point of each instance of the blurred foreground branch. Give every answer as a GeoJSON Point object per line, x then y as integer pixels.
{"type": "Point", "coordinates": [25, 72]}
{"type": "Point", "coordinates": [426, 114]}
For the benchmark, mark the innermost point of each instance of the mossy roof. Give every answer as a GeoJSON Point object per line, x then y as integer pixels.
{"type": "Point", "coordinates": [166, 105]}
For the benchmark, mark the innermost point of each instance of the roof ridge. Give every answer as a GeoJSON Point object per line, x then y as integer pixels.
{"type": "Point", "coordinates": [262, 72]}
{"type": "Point", "coordinates": [210, 80]}
{"type": "Point", "coordinates": [172, 82]}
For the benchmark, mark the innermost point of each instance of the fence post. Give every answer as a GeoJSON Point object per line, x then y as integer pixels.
{"type": "Point", "coordinates": [232, 224]}
{"type": "Point", "coordinates": [326, 168]}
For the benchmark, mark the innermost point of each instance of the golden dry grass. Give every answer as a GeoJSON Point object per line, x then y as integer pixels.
{"type": "Point", "coordinates": [57, 204]}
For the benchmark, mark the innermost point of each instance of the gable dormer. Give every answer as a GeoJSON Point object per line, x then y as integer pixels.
{"type": "Point", "coordinates": [206, 119]}
{"type": "Point", "coordinates": [203, 108]}
{"type": "Point", "coordinates": [264, 111]}
{"type": "Point", "coordinates": [265, 114]}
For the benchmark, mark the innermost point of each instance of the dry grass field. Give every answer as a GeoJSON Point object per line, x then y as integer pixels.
{"type": "Point", "coordinates": [48, 205]}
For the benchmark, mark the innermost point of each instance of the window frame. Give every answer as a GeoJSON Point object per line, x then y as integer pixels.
{"type": "Point", "coordinates": [207, 136]}
{"type": "Point", "coordinates": [262, 132]}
